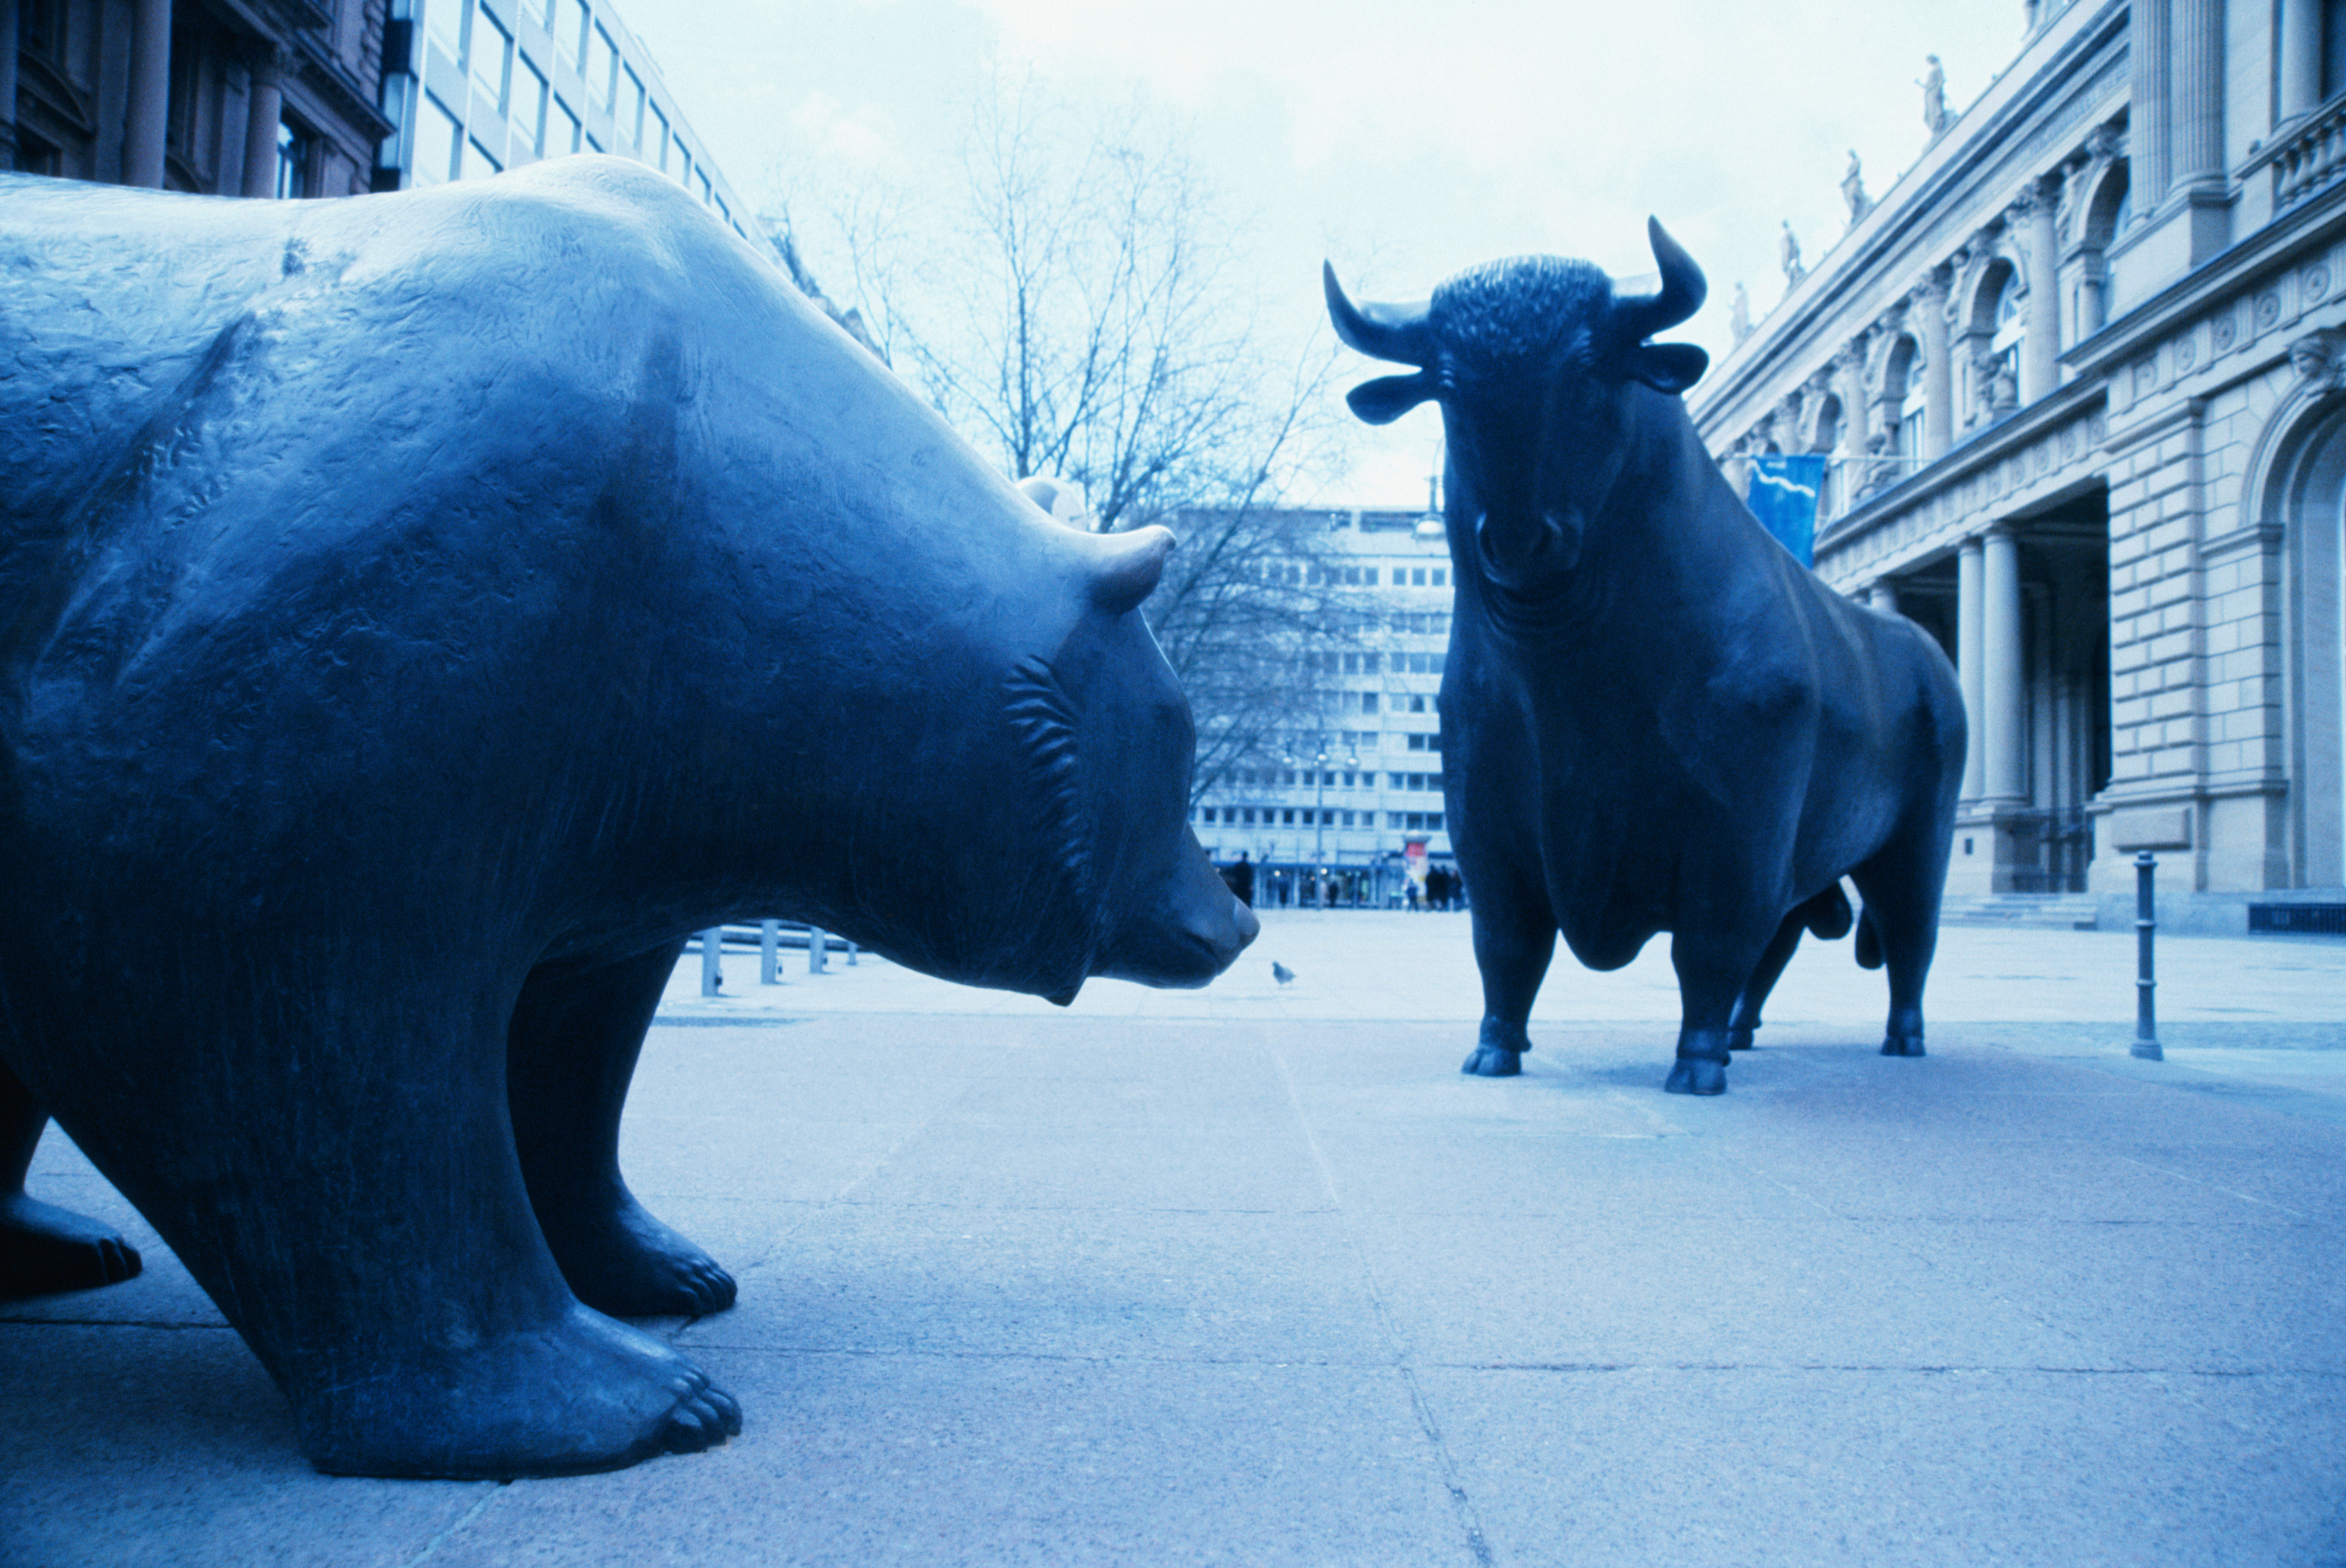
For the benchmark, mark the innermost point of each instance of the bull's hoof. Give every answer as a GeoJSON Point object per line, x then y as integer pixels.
{"type": "Point", "coordinates": [1741, 1039]}
{"type": "Point", "coordinates": [1493, 1062]}
{"type": "Point", "coordinates": [1696, 1076]}
{"type": "Point", "coordinates": [1902, 1046]}
{"type": "Point", "coordinates": [45, 1250]}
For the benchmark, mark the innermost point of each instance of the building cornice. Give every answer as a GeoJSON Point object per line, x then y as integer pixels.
{"type": "Point", "coordinates": [2305, 227]}
{"type": "Point", "coordinates": [323, 73]}
{"type": "Point", "coordinates": [1871, 250]}
{"type": "Point", "coordinates": [1983, 451]}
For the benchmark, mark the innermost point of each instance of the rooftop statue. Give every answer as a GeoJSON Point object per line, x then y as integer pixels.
{"type": "Point", "coordinates": [1654, 717]}
{"type": "Point", "coordinates": [423, 610]}
{"type": "Point", "coordinates": [1935, 119]}
{"type": "Point", "coordinates": [1853, 191]}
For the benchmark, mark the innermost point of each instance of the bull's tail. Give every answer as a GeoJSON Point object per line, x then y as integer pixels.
{"type": "Point", "coordinates": [1869, 942]}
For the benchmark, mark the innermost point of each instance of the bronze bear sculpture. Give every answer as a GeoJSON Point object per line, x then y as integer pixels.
{"type": "Point", "coordinates": [1655, 719]}
{"type": "Point", "coordinates": [422, 610]}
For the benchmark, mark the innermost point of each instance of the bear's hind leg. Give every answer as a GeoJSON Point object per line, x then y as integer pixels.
{"type": "Point", "coordinates": [571, 1052]}
{"type": "Point", "coordinates": [45, 1248]}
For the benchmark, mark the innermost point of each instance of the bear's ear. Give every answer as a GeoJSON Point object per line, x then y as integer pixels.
{"type": "Point", "coordinates": [1669, 367]}
{"type": "Point", "coordinates": [1387, 398]}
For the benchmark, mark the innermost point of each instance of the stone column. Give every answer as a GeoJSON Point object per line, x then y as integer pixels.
{"type": "Point", "coordinates": [264, 109]}
{"type": "Point", "coordinates": [149, 118]}
{"type": "Point", "coordinates": [2004, 752]}
{"type": "Point", "coordinates": [8, 85]}
{"type": "Point", "coordinates": [2300, 57]}
{"type": "Point", "coordinates": [2196, 103]}
{"type": "Point", "coordinates": [1968, 665]}
{"type": "Point", "coordinates": [1883, 596]}
{"type": "Point", "coordinates": [1938, 368]}
{"type": "Point", "coordinates": [2146, 48]}
{"type": "Point", "coordinates": [2040, 354]}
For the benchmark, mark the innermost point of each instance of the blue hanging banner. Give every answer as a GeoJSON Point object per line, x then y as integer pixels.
{"type": "Point", "coordinates": [1784, 489]}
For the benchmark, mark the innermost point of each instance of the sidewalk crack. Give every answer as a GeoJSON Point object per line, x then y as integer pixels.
{"type": "Point", "coordinates": [496, 1490]}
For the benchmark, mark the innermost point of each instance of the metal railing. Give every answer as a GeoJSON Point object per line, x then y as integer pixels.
{"type": "Point", "coordinates": [768, 938]}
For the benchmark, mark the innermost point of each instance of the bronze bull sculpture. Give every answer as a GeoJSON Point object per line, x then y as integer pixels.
{"type": "Point", "coordinates": [1655, 717]}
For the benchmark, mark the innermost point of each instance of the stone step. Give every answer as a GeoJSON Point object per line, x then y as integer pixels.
{"type": "Point", "coordinates": [2043, 911]}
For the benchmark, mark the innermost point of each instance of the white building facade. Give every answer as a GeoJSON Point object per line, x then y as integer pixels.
{"type": "Point", "coordinates": [1346, 804]}
{"type": "Point", "coordinates": [2081, 374]}
{"type": "Point", "coordinates": [478, 87]}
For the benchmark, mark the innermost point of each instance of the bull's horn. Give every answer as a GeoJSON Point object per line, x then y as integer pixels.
{"type": "Point", "coordinates": [1396, 333]}
{"type": "Point", "coordinates": [1681, 294]}
{"type": "Point", "coordinates": [1126, 569]}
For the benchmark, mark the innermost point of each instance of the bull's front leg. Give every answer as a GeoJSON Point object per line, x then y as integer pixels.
{"type": "Point", "coordinates": [1515, 939]}
{"type": "Point", "coordinates": [1713, 967]}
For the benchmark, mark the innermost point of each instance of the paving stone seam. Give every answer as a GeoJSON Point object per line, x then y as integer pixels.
{"type": "Point", "coordinates": [1565, 1368]}
{"type": "Point", "coordinates": [1469, 1520]}
{"type": "Point", "coordinates": [2203, 1183]}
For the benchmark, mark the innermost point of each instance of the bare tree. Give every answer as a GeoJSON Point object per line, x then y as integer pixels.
{"type": "Point", "coordinates": [1074, 307]}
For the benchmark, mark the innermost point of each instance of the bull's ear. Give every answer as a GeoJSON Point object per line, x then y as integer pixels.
{"type": "Point", "coordinates": [1128, 566]}
{"type": "Point", "coordinates": [1387, 398]}
{"type": "Point", "coordinates": [1669, 367]}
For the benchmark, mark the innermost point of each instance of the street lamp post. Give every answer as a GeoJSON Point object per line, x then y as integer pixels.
{"type": "Point", "coordinates": [1319, 813]}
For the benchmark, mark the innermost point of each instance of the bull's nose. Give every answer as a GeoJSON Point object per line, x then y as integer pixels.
{"type": "Point", "coordinates": [1249, 927]}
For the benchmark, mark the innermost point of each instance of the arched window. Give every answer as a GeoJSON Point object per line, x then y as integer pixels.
{"type": "Point", "coordinates": [1992, 366]}
{"type": "Point", "coordinates": [1830, 429]}
{"type": "Point", "coordinates": [2334, 47]}
{"type": "Point", "coordinates": [2108, 210]}
{"type": "Point", "coordinates": [1902, 392]}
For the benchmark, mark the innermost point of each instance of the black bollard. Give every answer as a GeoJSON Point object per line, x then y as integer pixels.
{"type": "Point", "coordinates": [2146, 926]}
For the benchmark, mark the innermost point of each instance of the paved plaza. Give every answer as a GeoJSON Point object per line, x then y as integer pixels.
{"type": "Point", "coordinates": [1253, 1276]}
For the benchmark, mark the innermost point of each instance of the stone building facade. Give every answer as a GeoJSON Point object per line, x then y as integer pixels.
{"type": "Point", "coordinates": [1348, 800]}
{"type": "Point", "coordinates": [478, 87]}
{"type": "Point", "coordinates": [228, 97]}
{"type": "Point", "coordinates": [2081, 376]}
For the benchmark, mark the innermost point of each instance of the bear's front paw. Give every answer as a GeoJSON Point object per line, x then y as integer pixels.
{"type": "Point", "coordinates": [45, 1250]}
{"type": "Point", "coordinates": [629, 1265]}
{"type": "Point", "coordinates": [579, 1394]}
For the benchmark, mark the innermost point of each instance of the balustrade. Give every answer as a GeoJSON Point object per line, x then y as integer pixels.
{"type": "Point", "coordinates": [2308, 156]}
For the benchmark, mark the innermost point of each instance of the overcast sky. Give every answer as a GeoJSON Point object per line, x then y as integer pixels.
{"type": "Point", "coordinates": [1399, 146]}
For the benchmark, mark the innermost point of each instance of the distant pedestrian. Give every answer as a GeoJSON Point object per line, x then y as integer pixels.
{"type": "Point", "coordinates": [1241, 877]}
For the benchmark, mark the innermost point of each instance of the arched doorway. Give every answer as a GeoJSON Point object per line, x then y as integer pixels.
{"type": "Point", "coordinates": [2309, 501]}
